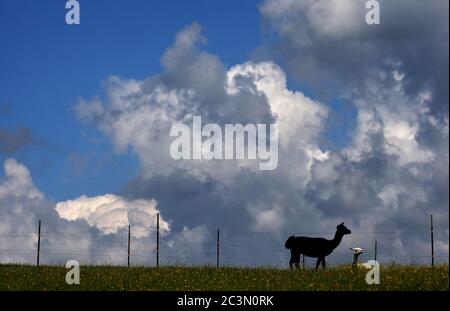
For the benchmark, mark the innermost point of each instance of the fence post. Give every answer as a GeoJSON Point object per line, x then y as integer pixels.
{"type": "Point", "coordinates": [218, 248]}
{"type": "Point", "coordinates": [376, 248]}
{"type": "Point", "coordinates": [157, 240]}
{"type": "Point", "coordinates": [129, 242]}
{"type": "Point", "coordinates": [432, 241]}
{"type": "Point", "coordinates": [39, 243]}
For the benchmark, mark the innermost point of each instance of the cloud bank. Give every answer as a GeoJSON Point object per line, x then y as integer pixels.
{"type": "Point", "coordinates": [384, 182]}
{"type": "Point", "coordinates": [386, 178]}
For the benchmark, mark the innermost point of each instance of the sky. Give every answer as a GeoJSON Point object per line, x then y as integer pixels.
{"type": "Point", "coordinates": [86, 111]}
{"type": "Point", "coordinates": [57, 64]}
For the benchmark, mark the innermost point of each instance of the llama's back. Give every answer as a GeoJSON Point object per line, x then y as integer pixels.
{"type": "Point", "coordinates": [313, 247]}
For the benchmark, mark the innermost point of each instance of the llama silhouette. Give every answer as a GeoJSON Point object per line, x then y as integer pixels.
{"type": "Point", "coordinates": [314, 247]}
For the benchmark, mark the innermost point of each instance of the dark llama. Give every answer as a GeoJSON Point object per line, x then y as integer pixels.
{"type": "Point", "coordinates": [314, 247]}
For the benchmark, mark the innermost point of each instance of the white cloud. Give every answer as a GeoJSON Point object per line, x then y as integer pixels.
{"type": "Point", "coordinates": [389, 195]}
{"type": "Point", "coordinates": [336, 19]}
{"type": "Point", "coordinates": [374, 182]}
{"type": "Point", "coordinates": [189, 246]}
{"type": "Point", "coordinates": [271, 219]}
{"type": "Point", "coordinates": [139, 115]}
{"type": "Point", "coordinates": [22, 205]}
{"type": "Point", "coordinates": [402, 141]}
{"type": "Point", "coordinates": [300, 118]}
{"type": "Point", "coordinates": [110, 213]}
{"type": "Point", "coordinates": [18, 182]}
{"type": "Point", "coordinates": [70, 234]}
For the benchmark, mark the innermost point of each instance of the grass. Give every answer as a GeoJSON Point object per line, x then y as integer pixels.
{"type": "Point", "coordinates": [392, 277]}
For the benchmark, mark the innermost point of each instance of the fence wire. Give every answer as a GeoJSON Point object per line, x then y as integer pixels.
{"type": "Point", "coordinates": [234, 248]}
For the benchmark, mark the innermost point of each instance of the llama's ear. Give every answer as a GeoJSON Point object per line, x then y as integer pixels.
{"type": "Point", "coordinates": [342, 223]}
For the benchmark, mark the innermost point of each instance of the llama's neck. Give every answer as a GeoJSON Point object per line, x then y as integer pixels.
{"type": "Point", "coordinates": [337, 239]}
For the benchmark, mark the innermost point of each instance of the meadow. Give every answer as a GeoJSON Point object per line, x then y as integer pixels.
{"type": "Point", "coordinates": [341, 278]}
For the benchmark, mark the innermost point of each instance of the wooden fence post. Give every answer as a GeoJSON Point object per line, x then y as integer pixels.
{"type": "Point", "coordinates": [39, 244]}
{"type": "Point", "coordinates": [157, 240]}
{"type": "Point", "coordinates": [376, 249]}
{"type": "Point", "coordinates": [432, 241]}
{"type": "Point", "coordinates": [218, 248]}
{"type": "Point", "coordinates": [129, 244]}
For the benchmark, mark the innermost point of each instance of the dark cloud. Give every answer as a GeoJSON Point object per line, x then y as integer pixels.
{"type": "Point", "coordinates": [188, 66]}
{"type": "Point", "coordinates": [331, 47]}
{"type": "Point", "coordinates": [396, 76]}
{"type": "Point", "coordinates": [11, 141]}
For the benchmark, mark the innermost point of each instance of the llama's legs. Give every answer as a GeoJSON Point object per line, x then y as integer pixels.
{"type": "Point", "coordinates": [295, 259]}
{"type": "Point", "coordinates": [318, 263]}
{"type": "Point", "coordinates": [292, 260]}
{"type": "Point", "coordinates": [323, 262]}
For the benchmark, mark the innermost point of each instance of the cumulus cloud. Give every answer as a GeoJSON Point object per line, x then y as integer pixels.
{"type": "Point", "coordinates": [139, 114]}
{"type": "Point", "coordinates": [189, 246]}
{"type": "Point", "coordinates": [329, 45]}
{"type": "Point", "coordinates": [389, 175]}
{"type": "Point", "coordinates": [21, 206]}
{"type": "Point", "coordinates": [90, 230]}
{"type": "Point", "coordinates": [110, 213]}
{"type": "Point", "coordinates": [18, 182]}
{"type": "Point", "coordinates": [395, 75]}
{"type": "Point", "coordinates": [385, 178]}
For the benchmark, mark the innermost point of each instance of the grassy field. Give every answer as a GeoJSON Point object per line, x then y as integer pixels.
{"type": "Point", "coordinates": [393, 277]}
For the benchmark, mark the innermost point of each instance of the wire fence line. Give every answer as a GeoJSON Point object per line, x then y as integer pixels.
{"type": "Point", "coordinates": [232, 248]}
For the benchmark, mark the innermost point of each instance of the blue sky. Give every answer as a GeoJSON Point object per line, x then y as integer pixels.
{"type": "Point", "coordinates": [47, 65]}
